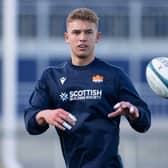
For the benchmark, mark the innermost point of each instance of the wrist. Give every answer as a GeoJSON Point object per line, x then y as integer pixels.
{"type": "Point", "coordinates": [40, 118]}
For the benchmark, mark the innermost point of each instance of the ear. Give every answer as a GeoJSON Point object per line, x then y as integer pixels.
{"type": "Point", "coordinates": [66, 37]}
{"type": "Point", "coordinates": [98, 36]}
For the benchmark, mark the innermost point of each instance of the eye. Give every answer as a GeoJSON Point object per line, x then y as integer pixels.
{"type": "Point", "coordinates": [76, 32]}
{"type": "Point", "coordinates": [89, 32]}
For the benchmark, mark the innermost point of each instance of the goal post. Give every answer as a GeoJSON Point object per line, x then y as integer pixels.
{"type": "Point", "coordinates": [9, 84]}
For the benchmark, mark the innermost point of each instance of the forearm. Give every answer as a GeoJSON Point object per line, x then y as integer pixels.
{"type": "Point", "coordinates": [32, 125]}
{"type": "Point", "coordinates": [143, 123]}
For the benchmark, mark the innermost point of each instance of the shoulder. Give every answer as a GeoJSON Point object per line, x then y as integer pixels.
{"type": "Point", "coordinates": [56, 68]}
{"type": "Point", "coordinates": [53, 71]}
{"type": "Point", "coordinates": [112, 72]}
{"type": "Point", "coordinates": [108, 66]}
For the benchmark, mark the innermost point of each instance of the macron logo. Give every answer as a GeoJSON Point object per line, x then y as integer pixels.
{"type": "Point", "coordinates": [62, 80]}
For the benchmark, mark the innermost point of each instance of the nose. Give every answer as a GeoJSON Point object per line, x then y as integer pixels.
{"type": "Point", "coordinates": [83, 37]}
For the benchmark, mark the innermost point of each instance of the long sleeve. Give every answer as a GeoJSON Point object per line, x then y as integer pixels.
{"type": "Point", "coordinates": [39, 100]}
{"type": "Point", "coordinates": [128, 93]}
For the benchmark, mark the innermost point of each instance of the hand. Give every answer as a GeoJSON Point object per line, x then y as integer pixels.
{"type": "Point", "coordinates": [125, 108]}
{"type": "Point", "coordinates": [58, 118]}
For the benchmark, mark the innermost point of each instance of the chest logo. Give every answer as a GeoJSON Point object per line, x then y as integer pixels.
{"type": "Point", "coordinates": [97, 79]}
{"type": "Point", "coordinates": [64, 96]}
{"type": "Point", "coordinates": [78, 95]}
{"type": "Point", "coordinates": [62, 80]}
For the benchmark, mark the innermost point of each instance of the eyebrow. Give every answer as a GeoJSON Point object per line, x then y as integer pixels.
{"type": "Point", "coordinates": [85, 30]}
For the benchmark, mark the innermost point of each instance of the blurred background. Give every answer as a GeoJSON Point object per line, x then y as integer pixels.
{"type": "Point", "coordinates": [133, 32]}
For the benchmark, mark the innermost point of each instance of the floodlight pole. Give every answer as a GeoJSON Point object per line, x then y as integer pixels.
{"type": "Point", "coordinates": [9, 99]}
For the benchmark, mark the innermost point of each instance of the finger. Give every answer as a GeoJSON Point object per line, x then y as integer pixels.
{"type": "Point", "coordinates": [63, 124]}
{"type": "Point", "coordinates": [134, 112]}
{"type": "Point", "coordinates": [66, 113]}
{"type": "Point", "coordinates": [66, 125]}
{"type": "Point", "coordinates": [59, 121]}
{"type": "Point", "coordinates": [72, 117]}
{"type": "Point", "coordinates": [128, 108]}
{"type": "Point", "coordinates": [131, 110]}
{"type": "Point", "coordinates": [115, 113]}
{"type": "Point", "coordinates": [125, 105]}
{"type": "Point", "coordinates": [67, 118]}
{"type": "Point", "coordinates": [59, 126]}
{"type": "Point", "coordinates": [116, 106]}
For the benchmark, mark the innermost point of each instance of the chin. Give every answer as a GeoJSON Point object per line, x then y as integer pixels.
{"type": "Point", "coordinates": [82, 56]}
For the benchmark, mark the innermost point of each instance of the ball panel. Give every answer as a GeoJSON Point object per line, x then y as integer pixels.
{"type": "Point", "coordinates": [157, 76]}
{"type": "Point", "coordinates": [160, 72]}
{"type": "Point", "coordinates": [161, 66]}
{"type": "Point", "coordinates": [155, 83]}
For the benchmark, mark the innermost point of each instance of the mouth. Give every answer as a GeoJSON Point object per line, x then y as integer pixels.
{"type": "Point", "coordinates": [82, 46]}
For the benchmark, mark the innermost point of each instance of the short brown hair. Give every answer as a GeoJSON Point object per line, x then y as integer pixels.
{"type": "Point", "coordinates": [83, 14]}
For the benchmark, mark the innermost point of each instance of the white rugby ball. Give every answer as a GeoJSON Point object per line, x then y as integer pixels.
{"type": "Point", "coordinates": [157, 75]}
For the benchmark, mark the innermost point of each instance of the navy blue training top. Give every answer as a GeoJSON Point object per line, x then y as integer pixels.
{"type": "Point", "coordinates": [88, 92]}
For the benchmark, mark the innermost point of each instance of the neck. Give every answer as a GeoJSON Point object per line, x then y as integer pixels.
{"type": "Point", "coordinates": [82, 61]}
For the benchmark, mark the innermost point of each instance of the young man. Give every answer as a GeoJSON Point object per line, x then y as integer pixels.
{"type": "Point", "coordinates": [84, 99]}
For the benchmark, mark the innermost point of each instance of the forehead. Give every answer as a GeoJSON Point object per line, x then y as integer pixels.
{"type": "Point", "coordinates": [81, 25]}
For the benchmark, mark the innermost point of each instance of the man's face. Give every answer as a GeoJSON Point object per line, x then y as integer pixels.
{"type": "Point", "coordinates": [82, 36]}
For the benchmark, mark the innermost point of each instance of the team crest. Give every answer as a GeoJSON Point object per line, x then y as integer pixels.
{"type": "Point", "coordinates": [97, 79]}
